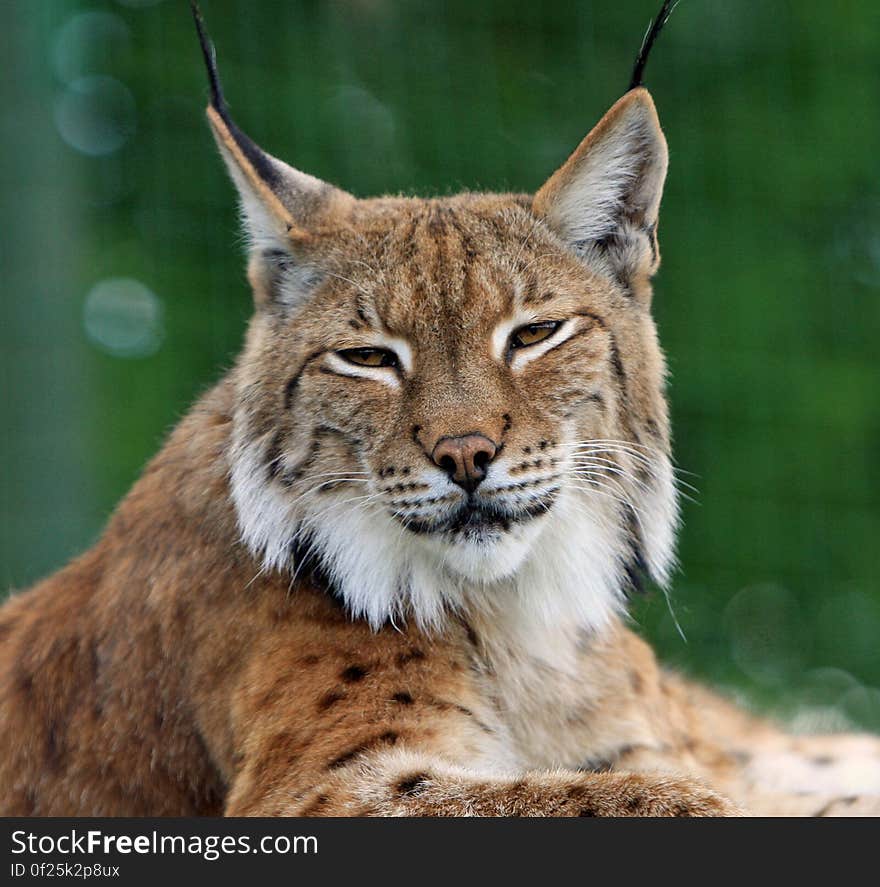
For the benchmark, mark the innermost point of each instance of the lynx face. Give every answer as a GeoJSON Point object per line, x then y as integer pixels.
{"type": "Point", "coordinates": [458, 402]}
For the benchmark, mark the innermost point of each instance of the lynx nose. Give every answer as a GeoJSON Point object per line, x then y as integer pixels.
{"type": "Point", "coordinates": [465, 459]}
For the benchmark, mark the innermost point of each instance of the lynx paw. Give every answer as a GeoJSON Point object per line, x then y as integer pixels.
{"type": "Point", "coordinates": [636, 795]}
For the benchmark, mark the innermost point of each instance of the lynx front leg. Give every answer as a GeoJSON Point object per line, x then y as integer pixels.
{"type": "Point", "coordinates": [400, 783]}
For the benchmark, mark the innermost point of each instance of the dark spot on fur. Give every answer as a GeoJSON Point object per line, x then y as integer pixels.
{"type": "Point", "coordinates": [329, 699]}
{"type": "Point", "coordinates": [387, 738]}
{"type": "Point", "coordinates": [625, 750]}
{"type": "Point", "coordinates": [311, 659]}
{"type": "Point", "coordinates": [402, 698]}
{"type": "Point", "coordinates": [472, 637]}
{"type": "Point", "coordinates": [740, 756]}
{"type": "Point", "coordinates": [411, 656]}
{"type": "Point", "coordinates": [24, 682]}
{"type": "Point", "coordinates": [617, 365]}
{"type": "Point", "coordinates": [823, 760]}
{"type": "Point", "coordinates": [518, 786]}
{"type": "Point", "coordinates": [282, 751]}
{"type": "Point", "coordinates": [315, 806]}
{"type": "Point", "coordinates": [466, 711]}
{"type": "Point", "coordinates": [597, 765]}
{"type": "Point", "coordinates": [354, 673]}
{"type": "Point", "coordinates": [636, 681]}
{"type": "Point", "coordinates": [413, 785]}
{"type": "Point", "coordinates": [273, 693]}
{"type": "Point", "coordinates": [347, 756]}
{"type": "Point", "coordinates": [827, 808]}
{"type": "Point", "coordinates": [54, 751]}
{"type": "Point", "coordinates": [273, 456]}
{"type": "Point", "coordinates": [586, 811]}
{"type": "Point", "coordinates": [651, 234]}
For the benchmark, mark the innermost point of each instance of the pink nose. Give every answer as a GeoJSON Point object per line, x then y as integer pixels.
{"type": "Point", "coordinates": [465, 459]}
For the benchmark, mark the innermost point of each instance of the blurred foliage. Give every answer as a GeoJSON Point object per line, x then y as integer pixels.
{"type": "Point", "coordinates": [124, 292]}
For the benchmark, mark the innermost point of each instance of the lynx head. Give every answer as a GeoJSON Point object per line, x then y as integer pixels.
{"type": "Point", "coordinates": [455, 403]}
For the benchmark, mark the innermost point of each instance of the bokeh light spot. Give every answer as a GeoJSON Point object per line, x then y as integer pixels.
{"type": "Point", "coordinates": [124, 318]}
{"type": "Point", "coordinates": [87, 43]}
{"type": "Point", "coordinates": [95, 115]}
{"type": "Point", "coordinates": [862, 706]}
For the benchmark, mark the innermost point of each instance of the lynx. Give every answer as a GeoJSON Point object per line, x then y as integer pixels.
{"type": "Point", "coordinates": [382, 567]}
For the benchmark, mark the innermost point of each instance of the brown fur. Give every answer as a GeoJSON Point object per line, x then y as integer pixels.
{"type": "Point", "coordinates": [166, 672]}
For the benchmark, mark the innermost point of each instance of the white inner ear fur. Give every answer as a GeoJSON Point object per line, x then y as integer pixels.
{"type": "Point", "coordinates": [262, 227]}
{"type": "Point", "coordinates": [263, 224]}
{"type": "Point", "coordinates": [623, 171]}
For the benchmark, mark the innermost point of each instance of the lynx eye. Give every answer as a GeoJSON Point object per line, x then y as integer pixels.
{"type": "Point", "coordinates": [533, 333]}
{"type": "Point", "coordinates": [369, 357]}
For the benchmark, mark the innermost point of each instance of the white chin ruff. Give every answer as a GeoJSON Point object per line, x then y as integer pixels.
{"type": "Point", "coordinates": [560, 570]}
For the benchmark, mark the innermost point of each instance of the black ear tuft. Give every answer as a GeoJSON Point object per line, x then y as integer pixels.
{"type": "Point", "coordinates": [651, 35]}
{"type": "Point", "coordinates": [255, 155]}
{"type": "Point", "coordinates": [217, 100]}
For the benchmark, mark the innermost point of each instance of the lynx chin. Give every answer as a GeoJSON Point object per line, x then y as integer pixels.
{"type": "Point", "coordinates": [382, 567]}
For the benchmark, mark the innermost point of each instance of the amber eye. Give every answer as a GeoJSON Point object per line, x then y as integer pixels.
{"type": "Point", "coordinates": [533, 333]}
{"type": "Point", "coordinates": [369, 357]}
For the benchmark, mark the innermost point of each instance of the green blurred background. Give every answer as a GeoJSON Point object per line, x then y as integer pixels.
{"type": "Point", "coordinates": [124, 292]}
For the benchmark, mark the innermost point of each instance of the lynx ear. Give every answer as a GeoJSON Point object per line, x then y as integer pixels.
{"type": "Point", "coordinates": [604, 200]}
{"type": "Point", "coordinates": [279, 204]}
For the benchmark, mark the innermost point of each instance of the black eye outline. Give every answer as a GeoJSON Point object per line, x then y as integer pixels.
{"type": "Point", "coordinates": [552, 326]}
{"type": "Point", "coordinates": [359, 356]}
